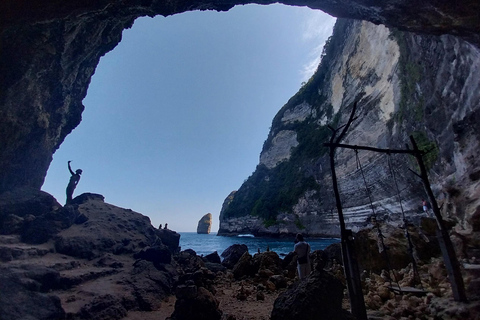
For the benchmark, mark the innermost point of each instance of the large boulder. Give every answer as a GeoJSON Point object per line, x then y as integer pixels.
{"type": "Point", "coordinates": [23, 204]}
{"type": "Point", "coordinates": [169, 238]}
{"type": "Point", "coordinates": [317, 297]}
{"type": "Point", "coordinates": [106, 229]}
{"type": "Point", "coordinates": [289, 264]}
{"type": "Point", "coordinates": [333, 253]}
{"type": "Point", "coordinates": [199, 305]}
{"type": "Point", "coordinates": [232, 255]}
{"type": "Point", "coordinates": [213, 262]}
{"type": "Point", "coordinates": [268, 260]}
{"type": "Point", "coordinates": [212, 257]}
{"type": "Point", "coordinates": [205, 224]}
{"type": "Point", "coordinates": [265, 264]}
{"type": "Point", "coordinates": [244, 267]}
{"type": "Point", "coordinates": [150, 284]}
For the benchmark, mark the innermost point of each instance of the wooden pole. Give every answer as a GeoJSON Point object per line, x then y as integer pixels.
{"type": "Point", "coordinates": [352, 276]}
{"type": "Point", "coordinates": [449, 257]}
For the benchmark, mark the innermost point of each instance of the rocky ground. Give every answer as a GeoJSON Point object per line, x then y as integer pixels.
{"type": "Point", "coordinates": [93, 260]}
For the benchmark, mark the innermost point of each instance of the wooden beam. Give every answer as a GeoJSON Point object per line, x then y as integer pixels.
{"type": "Point", "coordinates": [449, 257]}
{"type": "Point", "coordinates": [350, 266]}
{"type": "Point", "coordinates": [355, 147]}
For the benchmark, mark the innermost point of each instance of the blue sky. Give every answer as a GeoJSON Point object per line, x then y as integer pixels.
{"type": "Point", "coordinates": [176, 115]}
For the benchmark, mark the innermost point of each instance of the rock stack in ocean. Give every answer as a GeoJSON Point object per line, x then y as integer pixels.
{"type": "Point", "coordinates": [205, 224]}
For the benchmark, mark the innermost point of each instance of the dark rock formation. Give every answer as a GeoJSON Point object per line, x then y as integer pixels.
{"type": "Point", "coordinates": [244, 267]}
{"type": "Point", "coordinates": [232, 254]}
{"type": "Point", "coordinates": [21, 205]}
{"type": "Point", "coordinates": [78, 261]}
{"type": "Point", "coordinates": [213, 257]}
{"type": "Point", "coordinates": [108, 230]}
{"type": "Point", "coordinates": [268, 260]}
{"type": "Point", "coordinates": [317, 297]}
{"type": "Point", "coordinates": [21, 298]}
{"type": "Point", "coordinates": [213, 262]}
{"type": "Point", "coordinates": [190, 261]}
{"type": "Point", "coordinates": [169, 238]}
{"type": "Point", "coordinates": [371, 255]}
{"type": "Point", "coordinates": [195, 292]}
{"type": "Point", "coordinates": [200, 305]}
{"type": "Point", "coordinates": [205, 224]}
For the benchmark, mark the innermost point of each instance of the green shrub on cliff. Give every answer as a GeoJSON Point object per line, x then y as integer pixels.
{"type": "Point", "coordinates": [428, 146]}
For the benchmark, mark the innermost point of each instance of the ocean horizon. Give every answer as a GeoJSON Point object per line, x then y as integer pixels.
{"type": "Point", "coordinates": [204, 244]}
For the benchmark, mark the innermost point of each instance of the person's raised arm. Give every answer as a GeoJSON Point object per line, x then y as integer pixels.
{"type": "Point", "coordinates": [70, 168]}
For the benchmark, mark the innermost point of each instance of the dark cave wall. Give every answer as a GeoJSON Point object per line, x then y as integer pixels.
{"type": "Point", "coordinates": [46, 70]}
{"type": "Point", "coordinates": [49, 50]}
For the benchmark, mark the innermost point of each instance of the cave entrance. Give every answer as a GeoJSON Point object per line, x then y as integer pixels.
{"type": "Point", "coordinates": [176, 115]}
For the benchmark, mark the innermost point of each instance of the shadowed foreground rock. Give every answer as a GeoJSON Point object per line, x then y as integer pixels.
{"type": "Point", "coordinates": [317, 297]}
{"type": "Point", "coordinates": [18, 301]}
{"type": "Point", "coordinates": [88, 260]}
{"type": "Point", "coordinates": [196, 303]}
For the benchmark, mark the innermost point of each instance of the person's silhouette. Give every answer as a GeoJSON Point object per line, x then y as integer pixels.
{"type": "Point", "coordinates": [72, 184]}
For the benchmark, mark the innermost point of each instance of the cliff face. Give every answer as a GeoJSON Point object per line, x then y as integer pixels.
{"type": "Point", "coordinates": [49, 52]}
{"type": "Point", "coordinates": [406, 84]}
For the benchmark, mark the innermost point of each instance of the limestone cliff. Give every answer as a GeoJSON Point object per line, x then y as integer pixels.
{"type": "Point", "coordinates": [205, 224]}
{"type": "Point", "coordinates": [406, 84]}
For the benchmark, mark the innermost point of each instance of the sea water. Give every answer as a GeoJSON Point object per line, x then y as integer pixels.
{"type": "Point", "coordinates": [204, 244]}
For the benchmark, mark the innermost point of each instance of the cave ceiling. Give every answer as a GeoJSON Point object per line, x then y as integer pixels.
{"type": "Point", "coordinates": [461, 18]}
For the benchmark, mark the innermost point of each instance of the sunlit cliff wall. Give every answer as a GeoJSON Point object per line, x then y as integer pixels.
{"type": "Point", "coordinates": [406, 84]}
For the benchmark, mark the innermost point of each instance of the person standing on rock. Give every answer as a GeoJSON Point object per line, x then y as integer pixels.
{"type": "Point", "coordinates": [72, 184]}
{"type": "Point", "coordinates": [302, 249]}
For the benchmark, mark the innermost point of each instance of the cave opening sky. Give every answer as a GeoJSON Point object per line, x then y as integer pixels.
{"type": "Point", "coordinates": [176, 115]}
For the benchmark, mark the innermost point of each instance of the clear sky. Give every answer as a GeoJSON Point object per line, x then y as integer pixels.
{"type": "Point", "coordinates": [176, 115]}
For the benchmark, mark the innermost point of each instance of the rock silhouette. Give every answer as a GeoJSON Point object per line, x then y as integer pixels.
{"type": "Point", "coordinates": [205, 224]}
